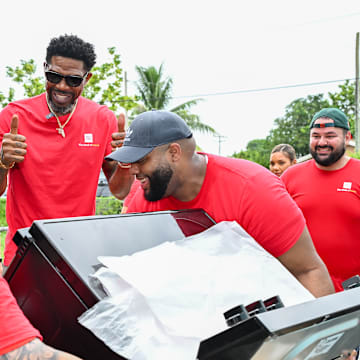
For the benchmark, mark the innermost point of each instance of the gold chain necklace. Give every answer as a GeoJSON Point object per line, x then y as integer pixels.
{"type": "Point", "coordinates": [60, 129]}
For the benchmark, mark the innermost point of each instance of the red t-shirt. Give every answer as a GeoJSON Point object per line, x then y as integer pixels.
{"type": "Point", "coordinates": [16, 329]}
{"type": "Point", "coordinates": [59, 176]}
{"type": "Point", "coordinates": [243, 191]}
{"type": "Point", "coordinates": [330, 202]}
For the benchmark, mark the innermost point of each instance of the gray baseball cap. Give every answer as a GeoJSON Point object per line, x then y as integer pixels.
{"type": "Point", "coordinates": [147, 131]}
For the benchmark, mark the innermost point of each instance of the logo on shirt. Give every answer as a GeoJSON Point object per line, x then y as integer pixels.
{"type": "Point", "coordinates": [347, 187]}
{"type": "Point", "coordinates": [88, 141]}
{"type": "Point", "coordinates": [88, 138]}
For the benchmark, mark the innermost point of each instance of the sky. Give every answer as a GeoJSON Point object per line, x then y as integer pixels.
{"type": "Point", "coordinates": [247, 60]}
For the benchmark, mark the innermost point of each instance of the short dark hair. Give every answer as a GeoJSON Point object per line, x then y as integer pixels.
{"type": "Point", "coordinates": [71, 46]}
{"type": "Point", "coordinates": [285, 148]}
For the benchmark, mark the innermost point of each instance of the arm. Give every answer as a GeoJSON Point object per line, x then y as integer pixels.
{"type": "Point", "coordinates": [36, 350]}
{"type": "Point", "coordinates": [118, 177]}
{"type": "Point", "coordinates": [305, 264]}
{"type": "Point", "coordinates": [3, 180]}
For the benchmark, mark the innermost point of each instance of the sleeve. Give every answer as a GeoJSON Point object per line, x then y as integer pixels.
{"type": "Point", "coordinates": [15, 328]}
{"type": "Point", "coordinates": [269, 214]}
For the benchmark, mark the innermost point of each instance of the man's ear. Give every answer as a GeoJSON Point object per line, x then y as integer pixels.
{"type": "Point", "coordinates": [348, 137]}
{"type": "Point", "coordinates": [174, 151]}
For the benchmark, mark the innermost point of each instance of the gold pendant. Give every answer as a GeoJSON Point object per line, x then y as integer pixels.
{"type": "Point", "coordinates": [61, 132]}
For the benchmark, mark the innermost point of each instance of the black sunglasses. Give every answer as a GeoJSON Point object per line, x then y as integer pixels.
{"type": "Point", "coordinates": [71, 80]}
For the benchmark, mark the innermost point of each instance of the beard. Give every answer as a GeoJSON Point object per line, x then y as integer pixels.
{"type": "Point", "coordinates": [58, 109]}
{"type": "Point", "coordinates": [159, 182]}
{"type": "Point", "coordinates": [332, 158]}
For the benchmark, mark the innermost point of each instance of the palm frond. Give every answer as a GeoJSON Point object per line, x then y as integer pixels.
{"type": "Point", "coordinates": [186, 105]}
{"type": "Point", "coordinates": [155, 93]}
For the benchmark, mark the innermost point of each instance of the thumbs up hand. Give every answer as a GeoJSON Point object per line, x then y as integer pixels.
{"type": "Point", "coordinates": [118, 137]}
{"type": "Point", "coordinates": [13, 146]}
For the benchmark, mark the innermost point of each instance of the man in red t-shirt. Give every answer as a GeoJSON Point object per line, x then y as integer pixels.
{"type": "Point", "coordinates": [327, 190]}
{"type": "Point", "coordinates": [53, 145]}
{"type": "Point", "coordinates": [18, 338]}
{"type": "Point", "coordinates": [161, 150]}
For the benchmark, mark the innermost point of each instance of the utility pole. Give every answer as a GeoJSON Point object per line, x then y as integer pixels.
{"type": "Point", "coordinates": [220, 140]}
{"type": "Point", "coordinates": [357, 125]}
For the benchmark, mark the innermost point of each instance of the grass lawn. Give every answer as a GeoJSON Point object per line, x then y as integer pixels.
{"type": "Point", "coordinates": [2, 243]}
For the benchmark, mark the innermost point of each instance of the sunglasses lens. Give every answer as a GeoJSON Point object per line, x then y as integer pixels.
{"type": "Point", "coordinates": [53, 77]}
{"type": "Point", "coordinates": [73, 81]}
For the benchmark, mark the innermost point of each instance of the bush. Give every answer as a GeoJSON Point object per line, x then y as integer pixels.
{"type": "Point", "coordinates": [2, 212]}
{"type": "Point", "coordinates": [108, 206]}
{"type": "Point", "coordinates": [355, 155]}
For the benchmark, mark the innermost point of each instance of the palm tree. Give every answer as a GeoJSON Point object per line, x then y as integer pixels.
{"type": "Point", "coordinates": [155, 93]}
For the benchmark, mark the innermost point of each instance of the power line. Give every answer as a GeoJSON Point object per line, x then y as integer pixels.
{"type": "Point", "coordinates": [328, 19]}
{"type": "Point", "coordinates": [247, 91]}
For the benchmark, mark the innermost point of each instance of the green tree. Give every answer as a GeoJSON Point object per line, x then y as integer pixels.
{"type": "Point", "coordinates": [5, 99]}
{"type": "Point", "coordinates": [104, 87]}
{"type": "Point", "coordinates": [355, 155]}
{"type": "Point", "coordinates": [345, 101]}
{"type": "Point", "coordinates": [23, 75]}
{"type": "Point", "coordinates": [257, 150]}
{"type": "Point", "coordinates": [293, 128]}
{"type": "Point", "coordinates": [155, 93]}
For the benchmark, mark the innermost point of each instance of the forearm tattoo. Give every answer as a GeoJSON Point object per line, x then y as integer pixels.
{"type": "Point", "coordinates": [36, 350]}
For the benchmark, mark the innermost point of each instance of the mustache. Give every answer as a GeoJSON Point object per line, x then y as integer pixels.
{"type": "Point", "coordinates": [62, 92]}
{"type": "Point", "coordinates": [324, 147]}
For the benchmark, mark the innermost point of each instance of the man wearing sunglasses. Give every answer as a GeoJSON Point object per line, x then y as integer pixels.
{"type": "Point", "coordinates": [53, 145]}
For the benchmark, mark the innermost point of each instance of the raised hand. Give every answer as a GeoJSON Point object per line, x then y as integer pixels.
{"type": "Point", "coordinates": [118, 137]}
{"type": "Point", "coordinates": [13, 147]}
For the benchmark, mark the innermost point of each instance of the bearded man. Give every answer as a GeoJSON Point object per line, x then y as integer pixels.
{"type": "Point", "coordinates": [160, 151]}
{"type": "Point", "coordinates": [327, 190]}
